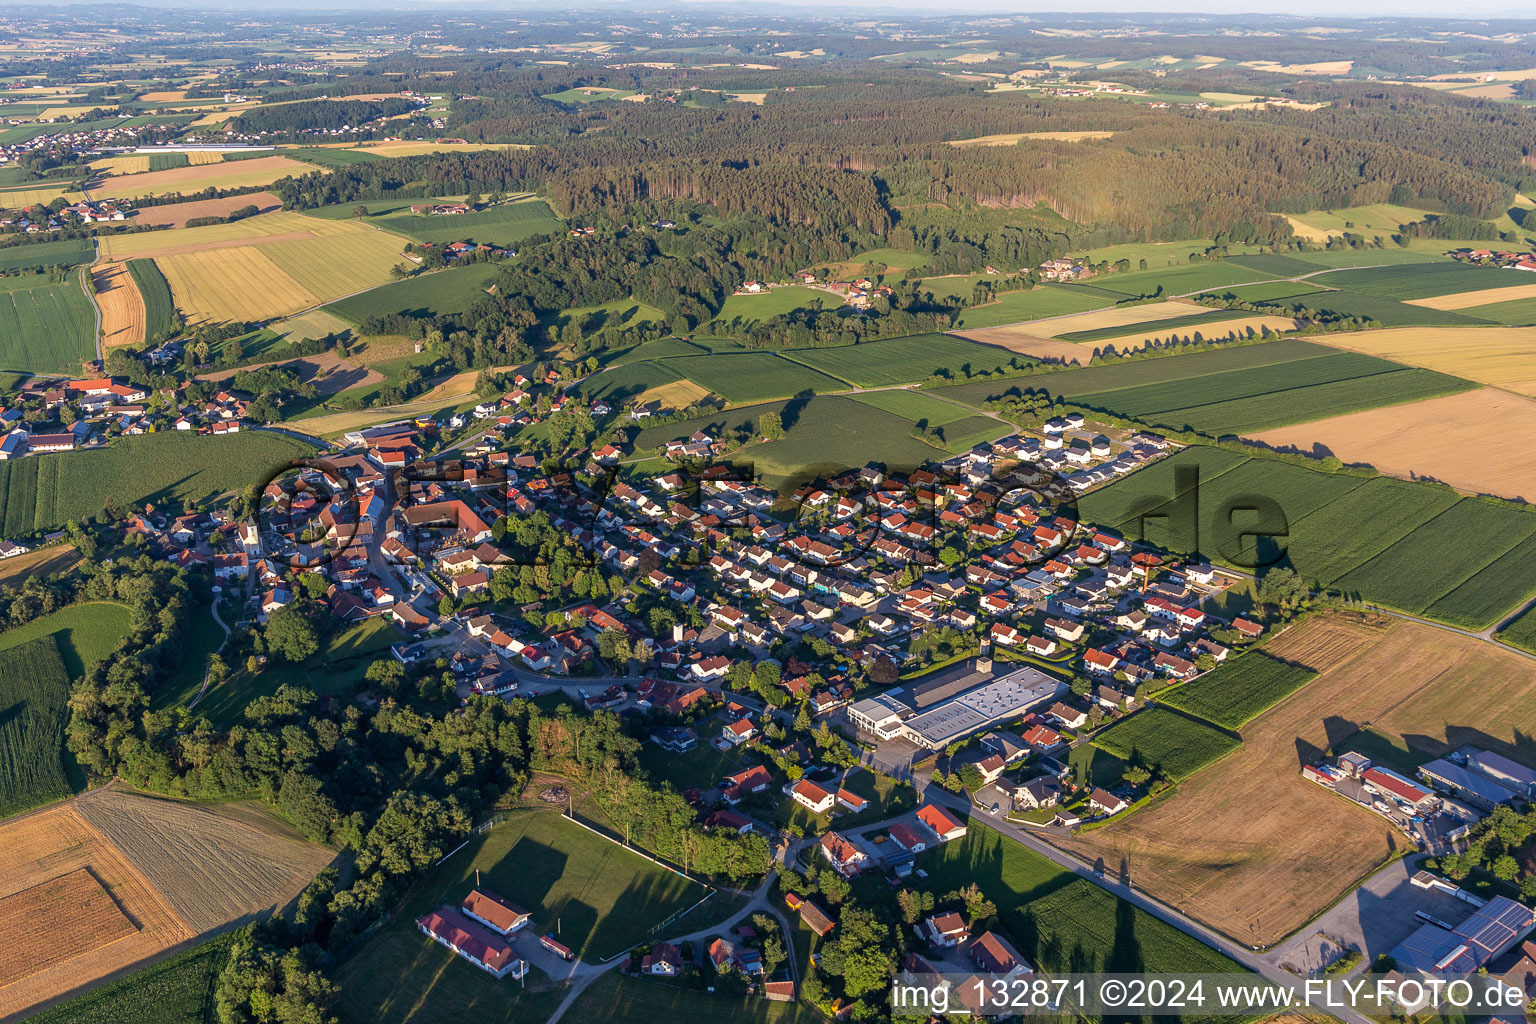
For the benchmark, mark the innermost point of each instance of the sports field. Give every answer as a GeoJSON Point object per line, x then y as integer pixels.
{"type": "Point", "coordinates": [197, 177]}
{"type": "Point", "coordinates": [1248, 846]}
{"type": "Point", "coordinates": [1444, 438]}
{"type": "Point", "coordinates": [1504, 357]}
{"type": "Point", "coordinates": [45, 326]}
{"type": "Point", "coordinates": [121, 305]}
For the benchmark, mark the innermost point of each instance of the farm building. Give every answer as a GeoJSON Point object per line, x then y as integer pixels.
{"type": "Point", "coordinates": [472, 941]}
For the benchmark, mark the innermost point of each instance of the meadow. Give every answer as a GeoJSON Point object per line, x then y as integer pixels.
{"type": "Point", "coordinates": [83, 633]}
{"type": "Point", "coordinates": [453, 290]}
{"type": "Point", "coordinates": [1277, 264]}
{"type": "Point", "coordinates": [66, 252]}
{"type": "Point", "coordinates": [904, 360]}
{"type": "Point", "coordinates": [661, 348]}
{"type": "Point", "coordinates": [917, 406]}
{"type": "Point", "coordinates": [45, 493]}
{"type": "Point", "coordinates": [1419, 281]}
{"type": "Point", "coordinates": [1385, 311]}
{"type": "Point", "coordinates": [1192, 277]}
{"type": "Point", "coordinates": [1176, 745]}
{"type": "Point", "coordinates": [504, 224]}
{"type": "Point", "coordinates": [1239, 691]}
{"type": "Point", "coordinates": [751, 376]}
{"type": "Point", "coordinates": [1513, 313]}
{"type": "Point", "coordinates": [776, 302]}
{"type": "Point", "coordinates": [45, 326]}
{"type": "Point", "coordinates": [1017, 306]}
{"type": "Point", "coordinates": [34, 690]}
{"type": "Point", "coordinates": [1374, 219]}
{"type": "Point", "coordinates": [627, 382]}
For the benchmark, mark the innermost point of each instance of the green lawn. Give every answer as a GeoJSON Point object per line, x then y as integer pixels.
{"type": "Point", "coordinates": [702, 766]}
{"type": "Point", "coordinates": [618, 999]}
{"type": "Point", "coordinates": [453, 290]}
{"type": "Point", "coordinates": [45, 326]}
{"type": "Point", "coordinates": [203, 638]}
{"type": "Point", "coordinates": [781, 300]}
{"type": "Point", "coordinates": [505, 224]}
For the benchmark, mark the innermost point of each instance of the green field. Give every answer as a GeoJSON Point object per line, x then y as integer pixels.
{"type": "Point", "coordinates": [1015, 307]}
{"type": "Point", "coordinates": [1051, 915]}
{"type": "Point", "coordinates": [876, 364]}
{"type": "Point", "coordinates": [601, 898]}
{"type": "Point", "coordinates": [440, 292]}
{"type": "Point", "coordinates": [580, 96]}
{"type": "Point", "coordinates": [1157, 254]}
{"type": "Point", "coordinates": [176, 990]}
{"type": "Point", "coordinates": [504, 224]}
{"type": "Point", "coordinates": [1239, 691]}
{"type": "Point", "coordinates": [45, 492]}
{"type": "Point", "coordinates": [1420, 281]}
{"type": "Point", "coordinates": [1387, 312]}
{"type": "Point", "coordinates": [781, 300]}
{"type": "Point", "coordinates": [1176, 323]}
{"type": "Point", "coordinates": [159, 309]}
{"type": "Point", "coordinates": [1276, 264]}
{"type": "Point", "coordinates": [626, 382]}
{"type": "Point", "coordinates": [896, 259]}
{"type": "Point", "coordinates": [331, 157]}
{"type": "Point", "coordinates": [85, 633]}
{"type": "Point", "coordinates": [1413, 547]}
{"type": "Point", "coordinates": [624, 999]}
{"type": "Point", "coordinates": [1192, 277]}
{"type": "Point", "coordinates": [661, 348]}
{"type": "Point", "coordinates": [751, 376]}
{"type": "Point", "coordinates": [45, 326]}
{"type": "Point", "coordinates": [1521, 631]}
{"type": "Point", "coordinates": [1270, 292]}
{"type": "Point", "coordinates": [34, 693]}
{"type": "Point", "coordinates": [1515, 313]}
{"type": "Point", "coordinates": [66, 252]}
{"type": "Point", "coordinates": [1342, 256]}
{"type": "Point", "coordinates": [1176, 745]}
{"type": "Point", "coordinates": [917, 406]}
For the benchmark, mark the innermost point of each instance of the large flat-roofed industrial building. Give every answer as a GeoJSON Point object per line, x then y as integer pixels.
{"type": "Point", "coordinates": [934, 715]}
{"type": "Point", "coordinates": [1493, 929]}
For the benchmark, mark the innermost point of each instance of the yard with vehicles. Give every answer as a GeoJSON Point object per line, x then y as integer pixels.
{"type": "Point", "coordinates": [45, 492]}
{"type": "Point", "coordinates": [46, 326]}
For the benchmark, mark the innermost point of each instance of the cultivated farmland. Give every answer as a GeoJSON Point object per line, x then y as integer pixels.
{"type": "Point", "coordinates": [748, 377]}
{"type": "Point", "coordinates": [66, 252]}
{"type": "Point", "coordinates": [903, 360]}
{"type": "Point", "coordinates": [45, 493]}
{"type": "Point", "coordinates": [177, 214]}
{"type": "Point", "coordinates": [1421, 281]}
{"type": "Point", "coordinates": [213, 864]}
{"type": "Point", "coordinates": [1019, 339]}
{"type": "Point", "coordinates": [1250, 847]}
{"type": "Point", "coordinates": [34, 690]}
{"type": "Point", "coordinates": [160, 320]}
{"type": "Point", "coordinates": [1441, 438]}
{"type": "Point", "coordinates": [1012, 307]}
{"type": "Point", "coordinates": [1239, 691]}
{"type": "Point", "coordinates": [1176, 745]}
{"type": "Point", "coordinates": [122, 308]}
{"type": "Point", "coordinates": [1504, 357]}
{"type": "Point", "coordinates": [45, 326]}
{"type": "Point", "coordinates": [47, 846]}
{"type": "Point", "coordinates": [83, 633]}
{"type": "Point", "coordinates": [176, 990]}
{"type": "Point", "coordinates": [1193, 277]}
{"type": "Point", "coordinates": [1116, 317]}
{"type": "Point", "coordinates": [196, 178]}
{"type": "Point", "coordinates": [453, 290]}
{"type": "Point", "coordinates": [1514, 291]}
{"type": "Point", "coordinates": [504, 224]}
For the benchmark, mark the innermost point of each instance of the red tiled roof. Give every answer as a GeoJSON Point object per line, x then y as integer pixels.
{"type": "Point", "coordinates": [474, 939]}
{"type": "Point", "coordinates": [488, 906]}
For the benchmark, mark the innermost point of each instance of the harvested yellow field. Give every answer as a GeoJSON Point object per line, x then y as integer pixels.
{"type": "Point", "coordinates": [1483, 297]}
{"type": "Point", "coordinates": [1504, 357]}
{"type": "Point", "coordinates": [420, 148]}
{"type": "Point", "coordinates": [25, 198]}
{"type": "Point", "coordinates": [89, 921]}
{"type": "Point", "coordinates": [163, 96]}
{"type": "Point", "coordinates": [1492, 76]}
{"type": "Point", "coordinates": [1013, 138]}
{"type": "Point", "coordinates": [1443, 439]}
{"type": "Point", "coordinates": [50, 113]}
{"type": "Point", "coordinates": [1019, 339]}
{"type": "Point", "coordinates": [1325, 67]}
{"type": "Point", "coordinates": [1117, 316]}
{"type": "Point", "coordinates": [122, 307]}
{"type": "Point", "coordinates": [1238, 325]}
{"type": "Point", "coordinates": [677, 395]}
{"type": "Point", "coordinates": [1308, 232]}
{"type": "Point", "coordinates": [267, 228]}
{"type": "Point", "coordinates": [122, 165]}
{"type": "Point", "coordinates": [1228, 97]}
{"type": "Point", "coordinates": [216, 117]}
{"type": "Point", "coordinates": [262, 170]}
{"type": "Point", "coordinates": [1495, 91]}
{"type": "Point", "coordinates": [213, 864]}
{"type": "Point", "coordinates": [234, 283]}
{"type": "Point", "coordinates": [200, 158]}
{"type": "Point", "coordinates": [317, 323]}
{"type": "Point", "coordinates": [335, 265]}
{"type": "Point", "coordinates": [47, 846]}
